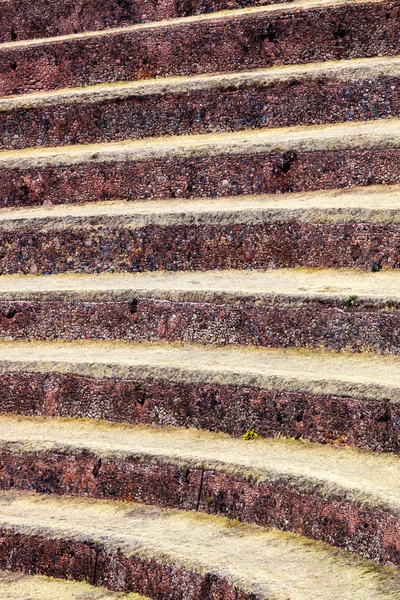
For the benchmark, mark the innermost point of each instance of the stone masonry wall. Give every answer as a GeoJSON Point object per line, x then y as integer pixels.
{"type": "Point", "coordinates": [48, 18]}
{"type": "Point", "coordinates": [247, 42]}
{"type": "Point", "coordinates": [216, 176]}
{"type": "Point", "coordinates": [338, 325]}
{"type": "Point", "coordinates": [272, 244]}
{"type": "Point", "coordinates": [297, 101]}
{"type": "Point", "coordinates": [364, 423]}
{"type": "Point", "coordinates": [372, 532]}
{"type": "Point", "coordinates": [85, 561]}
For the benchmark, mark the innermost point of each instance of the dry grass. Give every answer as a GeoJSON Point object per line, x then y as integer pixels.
{"type": "Point", "coordinates": [341, 70]}
{"type": "Point", "coordinates": [311, 371]}
{"type": "Point", "coordinates": [362, 477]}
{"type": "Point", "coordinates": [17, 586]}
{"type": "Point", "coordinates": [257, 287]}
{"type": "Point", "coordinates": [272, 564]}
{"type": "Point", "coordinates": [382, 133]}
{"type": "Point", "coordinates": [375, 204]}
{"type": "Point", "coordinates": [224, 14]}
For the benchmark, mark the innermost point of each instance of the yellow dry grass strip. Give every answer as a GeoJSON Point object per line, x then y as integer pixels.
{"type": "Point", "coordinates": [363, 375]}
{"type": "Point", "coordinates": [375, 204]}
{"type": "Point", "coordinates": [269, 563]}
{"type": "Point", "coordinates": [365, 478]}
{"type": "Point", "coordinates": [383, 133]}
{"type": "Point", "coordinates": [342, 70]}
{"type": "Point", "coordinates": [256, 285]}
{"type": "Point", "coordinates": [17, 586]}
{"type": "Point", "coordinates": [214, 16]}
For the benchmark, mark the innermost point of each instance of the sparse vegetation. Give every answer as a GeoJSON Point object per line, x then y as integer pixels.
{"type": "Point", "coordinates": [350, 302]}
{"type": "Point", "coordinates": [375, 267]}
{"type": "Point", "coordinates": [250, 435]}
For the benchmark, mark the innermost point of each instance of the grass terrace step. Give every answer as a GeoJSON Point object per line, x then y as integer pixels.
{"type": "Point", "coordinates": [247, 38]}
{"type": "Point", "coordinates": [20, 21]}
{"type": "Point", "coordinates": [313, 488]}
{"type": "Point", "coordinates": [275, 97]}
{"type": "Point", "coordinates": [246, 162]}
{"type": "Point", "coordinates": [341, 228]}
{"type": "Point", "coordinates": [17, 586]}
{"type": "Point", "coordinates": [341, 310]}
{"type": "Point", "coordinates": [151, 550]}
{"type": "Point", "coordinates": [324, 397]}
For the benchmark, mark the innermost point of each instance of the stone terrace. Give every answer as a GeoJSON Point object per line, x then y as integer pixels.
{"type": "Point", "coordinates": [199, 300]}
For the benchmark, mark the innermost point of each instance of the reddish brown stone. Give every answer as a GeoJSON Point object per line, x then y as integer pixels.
{"type": "Point", "coordinates": [226, 175]}
{"type": "Point", "coordinates": [250, 41]}
{"type": "Point", "coordinates": [372, 424]}
{"type": "Point", "coordinates": [372, 532]}
{"type": "Point", "coordinates": [279, 104]}
{"type": "Point", "coordinates": [283, 322]}
{"type": "Point", "coordinates": [55, 558]}
{"type": "Point", "coordinates": [84, 474]}
{"type": "Point", "coordinates": [194, 247]}
{"type": "Point", "coordinates": [83, 561]}
{"type": "Point", "coordinates": [48, 18]}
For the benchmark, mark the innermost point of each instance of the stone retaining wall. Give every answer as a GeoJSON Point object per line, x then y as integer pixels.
{"type": "Point", "coordinates": [370, 424]}
{"type": "Point", "coordinates": [372, 532]}
{"type": "Point", "coordinates": [242, 43]}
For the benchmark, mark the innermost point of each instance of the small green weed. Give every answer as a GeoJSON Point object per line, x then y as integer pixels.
{"type": "Point", "coordinates": [250, 435]}
{"type": "Point", "coordinates": [350, 301]}
{"type": "Point", "coordinates": [375, 268]}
